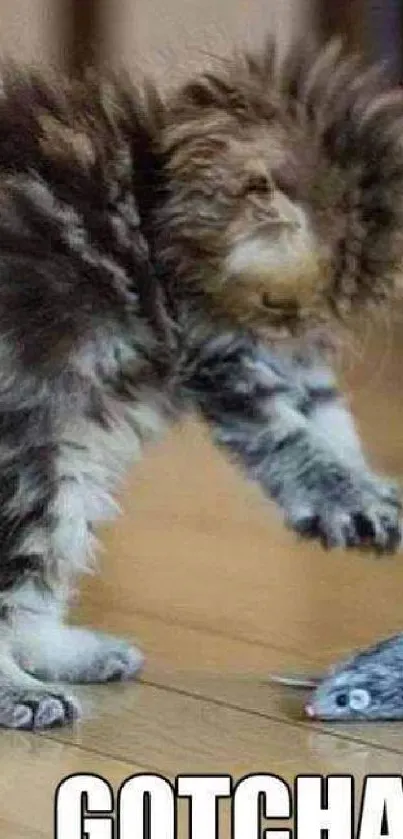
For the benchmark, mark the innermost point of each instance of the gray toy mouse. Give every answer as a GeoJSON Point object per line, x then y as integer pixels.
{"type": "Point", "coordinates": [365, 686]}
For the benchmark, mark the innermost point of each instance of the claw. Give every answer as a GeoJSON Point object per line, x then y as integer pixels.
{"type": "Point", "coordinates": [364, 517]}
{"type": "Point", "coordinates": [308, 527]}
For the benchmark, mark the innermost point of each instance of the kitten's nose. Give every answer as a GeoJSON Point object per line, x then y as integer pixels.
{"type": "Point", "coordinates": [309, 710]}
{"type": "Point", "coordinates": [284, 211]}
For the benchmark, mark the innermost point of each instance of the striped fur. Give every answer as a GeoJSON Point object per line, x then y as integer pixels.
{"type": "Point", "coordinates": [145, 250]}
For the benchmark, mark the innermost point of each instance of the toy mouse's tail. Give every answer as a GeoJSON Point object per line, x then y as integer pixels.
{"type": "Point", "coordinates": [297, 680]}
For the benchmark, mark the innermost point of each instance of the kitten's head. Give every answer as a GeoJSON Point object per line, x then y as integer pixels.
{"type": "Point", "coordinates": [284, 203]}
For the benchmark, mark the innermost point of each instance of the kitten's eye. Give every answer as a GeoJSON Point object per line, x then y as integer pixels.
{"type": "Point", "coordinates": [342, 700]}
{"type": "Point", "coordinates": [258, 184]}
{"type": "Point", "coordinates": [359, 699]}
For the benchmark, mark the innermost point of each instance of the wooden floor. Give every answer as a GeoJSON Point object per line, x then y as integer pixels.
{"type": "Point", "coordinates": [200, 571]}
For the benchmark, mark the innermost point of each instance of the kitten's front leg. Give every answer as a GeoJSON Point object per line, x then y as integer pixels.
{"type": "Point", "coordinates": [331, 421]}
{"type": "Point", "coordinates": [267, 416]}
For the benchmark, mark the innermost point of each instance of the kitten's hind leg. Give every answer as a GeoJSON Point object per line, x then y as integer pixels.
{"type": "Point", "coordinates": [33, 567]}
{"type": "Point", "coordinates": [25, 702]}
{"type": "Point", "coordinates": [43, 644]}
{"type": "Point", "coordinates": [52, 486]}
{"type": "Point", "coordinates": [55, 652]}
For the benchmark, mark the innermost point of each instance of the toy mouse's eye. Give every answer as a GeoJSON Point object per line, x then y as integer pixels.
{"type": "Point", "coordinates": [342, 700]}
{"type": "Point", "coordinates": [359, 699]}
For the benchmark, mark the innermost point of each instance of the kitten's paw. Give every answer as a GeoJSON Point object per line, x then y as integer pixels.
{"type": "Point", "coordinates": [116, 661]}
{"type": "Point", "coordinates": [34, 710]}
{"type": "Point", "coordinates": [75, 655]}
{"type": "Point", "coordinates": [363, 516]}
{"type": "Point", "coordinates": [96, 658]}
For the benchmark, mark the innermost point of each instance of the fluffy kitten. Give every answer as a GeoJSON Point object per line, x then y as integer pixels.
{"type": "Point", "coordinates": [154, 259]}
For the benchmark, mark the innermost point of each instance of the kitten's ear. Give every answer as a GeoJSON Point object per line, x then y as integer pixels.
{"type": "Point", "coordinates": [155, 107]}
{"type": "Point", "coordinates": [269, 57]}
{"type": "Point", "coordinates": [209, 91]}
{"type": "Point", "coordinates": [138, 102]}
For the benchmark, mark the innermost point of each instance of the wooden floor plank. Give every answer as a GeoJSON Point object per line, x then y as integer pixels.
{"type": "Point", "coordinates": [178, 733]}
{"type": "Point", "coordinates": [32, 766]}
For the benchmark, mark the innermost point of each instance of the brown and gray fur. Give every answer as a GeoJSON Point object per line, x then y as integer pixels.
{"type": "Point", "coordinates": [158, 258]}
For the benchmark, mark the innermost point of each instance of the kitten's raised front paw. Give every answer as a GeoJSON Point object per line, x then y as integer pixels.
{"type": "Point", "coordinates": [36, 709]}
{"type": "Point", "coordinates": [364, 514]}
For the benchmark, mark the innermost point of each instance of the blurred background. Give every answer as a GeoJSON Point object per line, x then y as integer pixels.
{"type": "Point", "coordinates": [168, 38]}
